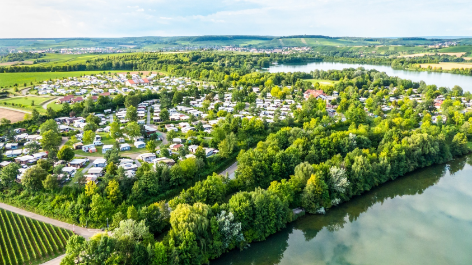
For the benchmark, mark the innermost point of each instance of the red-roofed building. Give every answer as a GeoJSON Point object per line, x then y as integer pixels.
{"type": "Point", "coordinates": [105, 94]}
{"type": "Point", "coordinates": [145, 81]}
{"type": "Point", "coordinates": [67, 99]}
{"type": "Point", "coordinates": [131, 83]}
{"type": "Point", "coordinates": [77, 99]}
{"type": "Point", "coordinates": [314, 93]}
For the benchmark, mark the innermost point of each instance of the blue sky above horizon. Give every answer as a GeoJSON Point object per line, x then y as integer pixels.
{"type": "Point", "coordinates": [124, 18]}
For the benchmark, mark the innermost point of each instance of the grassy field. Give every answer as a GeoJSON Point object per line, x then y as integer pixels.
{"type": "Point", "coordinates": [467, 49]}
{"type": "Point", "coordinates": [9, 79]}
{"type": "Point", "coordinates": [321, 81]}
{"type": "Point", "coordinates": [28, 241]}
{"type": "Point", "coordinates": [457, 54]}
{"type": "Point", "coordinates": [447, 65]}
{"type": "Point", "coordinates": [24, 103]}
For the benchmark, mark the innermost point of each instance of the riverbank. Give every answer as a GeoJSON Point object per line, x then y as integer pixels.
{"type": "Point", "coordinates": [394, 219]}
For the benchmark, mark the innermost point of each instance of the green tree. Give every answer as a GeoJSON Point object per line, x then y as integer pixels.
{"type": "Point", "coordinates": [115, 130]}
{"type": "Point", "coordinates": [101, 209]}
{"type": "Point", "coordinates": [151, 146]}
{"type": "Point", "coordinates": [227, 146]}
{"type": "Point", "coordinates": [113, 191]}
{"type": "Point", "coordinates": [315, 196]}
{"type": "Point", "coordinates": [50, 140]}
{"type": "Point", "coordinates": [35, 115]}
{"type": "Point", "coordinates": [91, 188]}
{"type": "Point", "coordinates": [33, 177]}
{"type": "Point", "coordinates": [51, 183]}
{"type": "Point", "coordinates": [49, 125]}
{"type": "Point", "coordinates": [88, 137]}
{"type": "Point", "coordinates": [132, 100]}
{"type": "Point", "coordinates": [132, 213]}
{"type": "Point", "coordinates": [133, 129]}
{"type": "Point", "coordinates": [8, 175]}
{"type": "Point", "coordinates": [93, 119]}
{"type": "Point", "coordinates": [164, 115]}
{"type": "Point", "coordinates": [51, 112]}
{"type": "Point", "coordinates": [5, 121]}
{"type": "Point", "coordinates": [131, 113]}
{"type": "Point", "coordinates": [66, 153]}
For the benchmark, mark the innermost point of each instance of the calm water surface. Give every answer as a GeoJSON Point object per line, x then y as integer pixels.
{"type": "Point", "coordinates": [439, 79]}
{"type": "Point", "coordinates": [422, 218]}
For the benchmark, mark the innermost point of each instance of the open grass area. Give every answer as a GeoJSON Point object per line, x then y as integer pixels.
{"type": "Point", "coordinates": [321, 81]}
{"type": "Point", "coordinates": [108, 140]}
{"type": "Point", "coordinates": [25, 103]}
{"type": "Point", "coordinates": [9, 79]}
{"type": "Point", "coordinates": [447, 65]}
{"type": "Point", "coordinates": [467, 49]}
{"type": "Point", "coordinates": [28, 241]}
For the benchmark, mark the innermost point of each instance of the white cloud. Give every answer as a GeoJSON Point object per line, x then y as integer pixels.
{"type": "Point", "coordinates": [107, 18]}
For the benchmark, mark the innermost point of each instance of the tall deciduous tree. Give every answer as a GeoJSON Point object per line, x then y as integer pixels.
{"type": "Point", "coordinates": [66, 153]}
{"type": "Point", "coordinates": [33, 177]}
{"type": "Point", "coordinates": [8, 175]}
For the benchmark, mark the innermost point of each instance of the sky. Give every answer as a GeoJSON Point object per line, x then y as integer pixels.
{"type": "Point", "coordinates": [124, 18]}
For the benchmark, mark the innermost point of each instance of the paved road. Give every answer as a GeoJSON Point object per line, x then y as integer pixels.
{"type": "Point", "coordinates": [56, 261]}
{"type": "Point", "coordinates": [63, 141]}
{"type": "Point", "coordinates": [46, 103]}
{"type": "Point", "coordinates": [25, 91]}
{"type": "Point", "coordinates": [230, 170]}
{"type": "Point", "coordinates": [87, 233]}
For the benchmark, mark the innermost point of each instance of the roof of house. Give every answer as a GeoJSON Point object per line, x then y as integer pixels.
{"type": "Point", "coordinates": [314, 93]}
{"type": "Point", "coordinates": [95, 170]}
{"type": "Point", "coordinates": [100, 161]}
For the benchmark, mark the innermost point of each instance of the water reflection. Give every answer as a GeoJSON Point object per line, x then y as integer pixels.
{"type": "Point", "coordinates": [422, 218]}
{"type": "Point", "coordinates": [439, 79]}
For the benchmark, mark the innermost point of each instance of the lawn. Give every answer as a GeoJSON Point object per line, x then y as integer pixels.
{"type": "Point", "coordinates": [321, 81]}
{"type": "Point", "coordinates": [28, 241]}
{"type": "Point", "coordinates": [10, 79]}
{"type": "Point", "coordinates": [24, 103]}
{"type": "Point", "coordinates": [107, 140]}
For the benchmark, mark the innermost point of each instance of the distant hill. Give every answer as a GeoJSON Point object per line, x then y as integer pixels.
{"type": "Point", "coordinates": [150, 43]}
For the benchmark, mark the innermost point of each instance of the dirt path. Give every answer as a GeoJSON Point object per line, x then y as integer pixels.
{"type": "Point", "coordinates": [281, 42]}
{"type": "Point", "coordinates": [304, 41]}
{"type": "Point", "coordinates": [85, 232]}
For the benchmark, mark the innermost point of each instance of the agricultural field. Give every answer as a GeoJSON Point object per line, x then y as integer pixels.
{"type": "Point", "coordinates": [447, 65]}
{"type": "Point", "coordinates": [457, 54]}
{"type": "Point", "coordinates": [12, 115]}
{"type": "Point", "coordinates": [28, 241]}
{"type": "Point", "coordinates": [466, 49]}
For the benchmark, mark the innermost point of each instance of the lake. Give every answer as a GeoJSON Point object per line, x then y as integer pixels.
{"type": "Point", "coordinates": [424, 217]}
{"type": "Point", "coordinates": [439, 79]}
